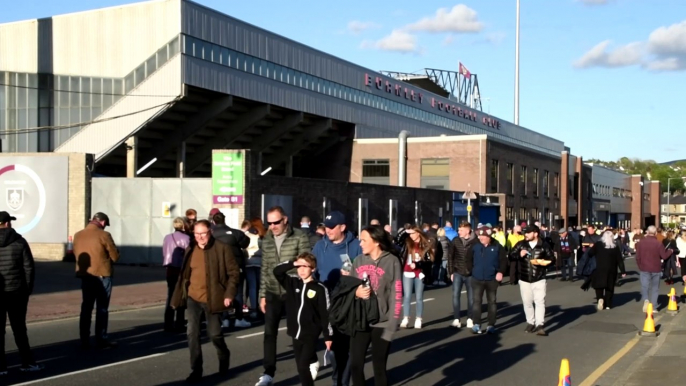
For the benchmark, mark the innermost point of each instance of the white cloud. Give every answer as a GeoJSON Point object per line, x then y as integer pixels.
{"type": "Point", "coordinates": [664, 50]}
{"type": "Point", "coordinates": [460, 18]}
{"type": "Point", "coordinates": [594, 2]}
{"type": "Point", "coordinates": [356, 27]}
{"type": "Point", "coordinates": [450, 39]}
{"type": "Point", "coordinates": [600, 56]}
{"type": "Point", "coordinates": [397, 41]}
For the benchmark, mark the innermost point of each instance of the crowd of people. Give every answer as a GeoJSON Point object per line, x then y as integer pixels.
{"type": "Point", "coordinates": [355, 290]}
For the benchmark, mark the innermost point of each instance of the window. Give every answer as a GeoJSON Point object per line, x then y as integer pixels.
{"type": "Point", "coordinates": [535, 178]}
{"type": "Point", "coordinates": [546, 180]}
{"type": "Point", "coordinates": [522, 181]}
{"type": "Point", "coordinates": [522, 214]}
{"type": "Point", "coordinates": [435, 173]}
{"type": "Point", "coordinates": [556, 184]}
{"type": "Point", "coordinates": [535, 215]}
{"type": "Point", "coordinates": [494, 176]}
{"type": "Point", "coordinates": [510, 178]}
{"type": "Point", "coordinates": [509, 213]}
{"type": "Point", "coordinates": [376, 172]}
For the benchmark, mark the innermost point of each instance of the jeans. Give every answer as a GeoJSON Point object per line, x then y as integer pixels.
{"type": "Point", "coordinates": [172, 318]}
{"type": "Point", "coordinates": [491, 289]}
{"type": "Point", "coordinates": [340, 366]}
{"type": "Point", "coordinates": [96, 291]}
{"type": "Point", "coordinates": [14, 304]}
{"type": "Point", "coordinates": [194, 311]}
{"type": "Point", "coordinates": [418, 284]}
{"type": "Point", "coordinates": [533, 293]}
{"type": "Point", "coordinates": [252, 276]}
{"type": "Point", "coordinates": [458, 280]}
{"type": "Point", "coordinates": [358, 352]}
{"type": "Point", "coordinates": [443, 271]}
{"type": "Point", "coordinates": [276, 306]}
{"type": "Point", "coordinates": [568, 267]}
{"type": "Point", "coordinates": [650, 285]}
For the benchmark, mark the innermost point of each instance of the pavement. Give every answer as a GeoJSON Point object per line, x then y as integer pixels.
{"type": "Point", "coordinates": [602, 346]}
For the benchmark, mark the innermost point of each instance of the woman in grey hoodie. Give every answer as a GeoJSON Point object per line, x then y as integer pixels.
{"type": "Point", "coordinates": [381, 271]}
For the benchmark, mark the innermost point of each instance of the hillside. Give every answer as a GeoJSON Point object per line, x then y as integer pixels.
{"type": "Point", "coordinates": [651, 170]}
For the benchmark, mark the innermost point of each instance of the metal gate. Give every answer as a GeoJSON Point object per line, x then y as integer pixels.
{"type": "Point", "coordinates": [136, 206]}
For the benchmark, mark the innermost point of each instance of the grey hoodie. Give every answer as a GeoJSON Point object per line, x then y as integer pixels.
{"type": "Point", "coordinates": [386, 281]}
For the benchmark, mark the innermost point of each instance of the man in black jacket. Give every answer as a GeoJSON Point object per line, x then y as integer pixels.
{"type": "Point", "coordinates": [16, 284]}
{"type": "Point", "coordinates": [565, 251]}
{"type": "Point", "coordinates": [460, 272]}
{"type": "Point", "coordinates": [238, 241]}
{"type": "Point", "coordinates": [533, 255]}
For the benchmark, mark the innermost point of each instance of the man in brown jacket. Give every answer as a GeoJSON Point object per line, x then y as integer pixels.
{"type": "Point", "coordinates": [95, 252]}
{"type": "Point", "coordinates": [208, 282]}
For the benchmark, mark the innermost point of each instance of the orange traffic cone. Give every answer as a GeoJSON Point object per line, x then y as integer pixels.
{"type": "Point", "coordinates": [565, 377]}
{"type": "Point", "coordinates": [683, 297]}
{"type": "Point", "coordinates": [672, 308]}
{"type": "Point", "coordinates": [649, 325]}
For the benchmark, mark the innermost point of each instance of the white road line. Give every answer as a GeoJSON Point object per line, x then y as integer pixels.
{"type": "Point", "coordinates": [425, 300]}
{"type": "Point", "coordinates": [91, 369]}
{"type": "Point", "coordinates": [256, 334]}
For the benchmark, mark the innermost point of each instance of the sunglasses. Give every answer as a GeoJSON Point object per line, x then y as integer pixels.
{"type": "Point", "coordinates": [269, 223]}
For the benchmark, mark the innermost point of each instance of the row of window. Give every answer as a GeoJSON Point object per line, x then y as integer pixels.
{"type": "Point", "coordinates": [604, 190]}
{"type": "Point", "coordinates": [435, 173]}
{"type": "Point", "coordinates": [494, 186]}
{"type": "Point", "coordinates": [237, 60]}
{"type": "Point", "coordinates": [525, 215]}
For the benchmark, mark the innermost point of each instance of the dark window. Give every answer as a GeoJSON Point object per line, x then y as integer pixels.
{"type": "Point", "coordinates": [535, 180]}
{"type": "Point", "coordinates": [510, 178]}
{"type": "Point", "coordinates": [556, 184]}
{"type": "Point", "coordinates": [509, 213]}
{"type": "Point", "coordinates": [522, 181]}
{"type": "Point", "coordinates": [376, 172]}
{"type": "Point", "coordinates": [494, 176]}
{"type": "Point", "coordinates": [546, 181]}
{"type": "Point", "coordinates": [522, 214]}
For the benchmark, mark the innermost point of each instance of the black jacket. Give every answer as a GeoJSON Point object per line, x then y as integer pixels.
{"type": "Point", "coordinates": [458, 262]}
{"type": "Point", "coordinates": [234, 238]}
{"type": "Point", "coordinates": [312, 236]}
{"type": "Point", "coordinates": [307, 305]}
{"type": "Point", "coordinates": [573, 245]}
{"type": "Point", "coordinates": [349, 314]}
{"type": "Point", "coordinates": [16, 262]}
{"type": "Point", "coordinates": [528, 272]}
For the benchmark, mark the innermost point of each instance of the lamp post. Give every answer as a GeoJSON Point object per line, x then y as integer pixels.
{"type": "Point", "coordinates": [516, 102]}
{"type": "Point", "coordinates": [669, 194]}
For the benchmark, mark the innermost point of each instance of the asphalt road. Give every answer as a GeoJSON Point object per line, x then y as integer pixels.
{"type": "Point", "coordinates": [434, 355]}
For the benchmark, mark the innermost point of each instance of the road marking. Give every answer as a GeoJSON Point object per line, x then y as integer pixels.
{"type": "Point", "coordinates": [257, 333]}
{"type": "Point", "coordinates": [591, 379]}
{"type": "Point", "coordinates": [425, 300]}
{"type": "Point", "coordinates": [91, 369]}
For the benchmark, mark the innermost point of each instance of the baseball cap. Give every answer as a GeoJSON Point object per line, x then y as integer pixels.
{"type": "Point", "coordinates": [5, 217]}
{"type": "Point", "coordinates": [483, 230]}
{"type": "Point", "coordinates": [531, 228]}
{"type": "Point", "coordinates": [334, 218]}
{"type": "Point", "coordinates": [214, 211]}
{"type": "Point", "coordinates": [102, 217]}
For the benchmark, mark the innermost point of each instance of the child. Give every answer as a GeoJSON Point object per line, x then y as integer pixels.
{"type": "Point", "coordinates": [307, 310]}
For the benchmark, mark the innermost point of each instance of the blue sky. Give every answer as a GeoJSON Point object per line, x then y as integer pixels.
{"type": "Point", "coordinates": [605, 76]}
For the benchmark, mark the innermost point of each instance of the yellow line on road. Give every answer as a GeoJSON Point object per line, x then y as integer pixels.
{"type": "Point", "coordinates": [590, 380]}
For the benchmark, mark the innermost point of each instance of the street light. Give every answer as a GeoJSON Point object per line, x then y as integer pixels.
{"type": "Point", "coordinates": [516, 104]}
{"type": "Point", "coordinates": [669, 194]}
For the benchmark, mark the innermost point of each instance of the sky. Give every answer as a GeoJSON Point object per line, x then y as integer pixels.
{"type": "Point", "coordinates": [604, 76]}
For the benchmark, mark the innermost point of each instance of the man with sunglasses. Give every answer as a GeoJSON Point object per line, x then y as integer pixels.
{"type": "Point", "coordinates": [282, 243]}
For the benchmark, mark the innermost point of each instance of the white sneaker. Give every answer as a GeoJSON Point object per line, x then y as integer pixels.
{"type": "Point", "coordinates": [470, 324]}
{"type": "Point", "coordinates": [314, 369]}
{"type": "Point", "coordinates": [456, 323]}
{"type": "Point", "coordinates": [242, 324]}
{"type": "Point", "coordinates": [418, 323]}
{"type": "Point", "coordinates": [225, 323]}
{"type": "Point", "coordinates": [600, 304]}
{"type": "Point", "coordinates": [405, 322]}
{"type": "Point", "coordinates": [265, 380]}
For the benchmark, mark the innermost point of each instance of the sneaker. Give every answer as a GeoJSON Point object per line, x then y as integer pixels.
{"type": "Point", "coordinates": [645, 305]}
{"type": "Point", "coordinates": [264, 380]}
{"type": "Point", "coordinates": [601, 304]}
{"type": "Point", "coordinates": [31, 368]}
{"type": "Point", "coordinates": [405, 322]}
{"type": "Point", "coordinates": [314, 369]}
{"type": "Point", "coordinates": [456, 323]}
{"type": "Point", "coordinates": [470, 323]}
{"type": "Point", "coordinates": [105, 344]}
{"type": "Point", "coordinates": [418, 323]}
{"type": "Point", "coordinates": [253, 315]}
{"type": "Point", "coordinates": [225, 323]}
{"type": "Point", "coordinates": [476, 329]}
{"type": "Point", "coordinates": [540, 331]}
{"type": "Point", "coordinates": [563, 279]}
{"type": "Point", "coordinates": [530, 328]}
{"type": "Point", "coordinates": [194, 377]}
{"type": "Point", "coordinates": [490, 330]}
{"type": "Point", "coordinates": [242, 323]}
{"type": "Point", "coordinates": [223, 367]}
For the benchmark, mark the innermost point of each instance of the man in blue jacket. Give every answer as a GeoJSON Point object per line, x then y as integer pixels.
{"type": "Point", "coordinates": [337, 248]}
{"type": "Point", "coordinates": [489, 261]}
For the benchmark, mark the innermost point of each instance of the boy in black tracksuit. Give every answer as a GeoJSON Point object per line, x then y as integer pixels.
{"type": "Point", "coordinates": [307, 311]}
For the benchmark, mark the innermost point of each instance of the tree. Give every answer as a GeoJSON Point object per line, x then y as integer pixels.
{"type": "Point", "coordinates": [650, 170]}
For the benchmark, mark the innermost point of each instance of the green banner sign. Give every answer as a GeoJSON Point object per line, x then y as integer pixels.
{"type": "Point", "coordinates": [228, 171]}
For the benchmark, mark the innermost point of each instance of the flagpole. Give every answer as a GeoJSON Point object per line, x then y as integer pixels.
{"type": "Point", "coordinates": [516, 105]}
